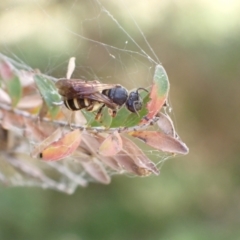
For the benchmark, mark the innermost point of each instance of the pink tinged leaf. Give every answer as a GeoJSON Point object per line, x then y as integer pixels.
{"type": "Point", "coordinates": [161, 141]}
{"type": "Point", "coordinates": [138, 156]}
{"type": "Point", "coordinates": [111, 163]}
{"type": "Point", "coordinates": [166, 125]}
{"type": "Point", "coordinates": [30, 102]}
{"type": "Point", "coordinates": [91, 143]}
{"type": "Point", "coordinates": [6, 71]}
{"type": "Point", "coordinates": [128, 164]}
{"type": "Point", "coordinates": [39, 133]}
{"type": "Point", "coordinates": [26, 77]}
{"type": "Point", "coordinates": [62, 148]}
{"type": "Point", "coordinates": [11, 121]}
{"type": "Point", "coordinates": [53, 137]}
{"type": "Point", "coordinates": [159, 92]}
{"type": "Point", "coordinates": [94, 168]}
{"type": "Point", "coordinates": [4, 97]}
{"type": "Point", "coordinates": [111, 145]}
{"type": "Point", "coordinates": [119, 162]}
{"type": "Point", "coordinates": [33, 132]}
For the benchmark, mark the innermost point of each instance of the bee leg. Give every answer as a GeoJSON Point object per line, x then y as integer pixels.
{"type": "Point", "coordinates": [114, 113]}
{"type": "Point", "coordinates": [135, 110]}
{"type": "Point", "coordinates": [99, 113]}
{"type": "Point", "coordinates": [72, 120]}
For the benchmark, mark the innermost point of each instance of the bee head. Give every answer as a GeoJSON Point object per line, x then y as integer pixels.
{"type": "Point", "coordinates": [134, 102]}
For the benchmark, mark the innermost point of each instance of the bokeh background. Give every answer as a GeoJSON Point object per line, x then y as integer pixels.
{"type": "Point", "coordinates": [196, 196]}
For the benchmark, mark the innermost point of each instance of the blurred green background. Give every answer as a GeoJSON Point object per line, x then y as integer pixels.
{"type": "Point", "coordinates": [196, 196]}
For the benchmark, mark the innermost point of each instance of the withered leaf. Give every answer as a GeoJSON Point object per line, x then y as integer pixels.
{"type": "Point", "coordinates": [111, 145]}
{"type": "Point", "coordinates": [166, 125]}
{"type": "Point", "coordinates": [94, 168]}
{"type": "Point", "coordinates": [90, 144]}
{"type": "Point", "coordinates": [161, 141]}
{"type": "Point", "coordinates": [138, 156]}
{"type": "Point", "coordinates": [61, 148]}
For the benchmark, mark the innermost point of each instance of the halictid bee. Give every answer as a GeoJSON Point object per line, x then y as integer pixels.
{"type": "Point", "coordinates": [94, 96]}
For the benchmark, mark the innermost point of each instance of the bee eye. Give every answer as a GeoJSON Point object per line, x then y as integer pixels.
{"type": "Point", "coordinates": [134, 102]}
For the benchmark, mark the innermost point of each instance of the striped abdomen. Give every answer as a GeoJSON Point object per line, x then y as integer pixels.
{"type": "Point", "coordinates": [76, 104]}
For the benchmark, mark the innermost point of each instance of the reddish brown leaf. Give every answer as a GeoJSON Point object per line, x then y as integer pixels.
{"type": "Point", "coordinates": [128, 164]}
{"type": "Point", "coordinates": [56, 135]}
{"type": "Point", "coordinates": [4, 97]}
{"type": "Point", "coordinates": [161, 141]}
{"type": "Point", "coordinates": [138, 156]}
{"type": "Point", "coordinates": [96, 170]}
{"type": "Point", "coordinates": [61, 148]}
{"type": "Point", "coordinates": [30, 102]}
{"type": "Point", "coordinates": [6, 71]}
{"type": "Point", "coordinates": [90, 144]}
{"type": "Point", "coordinates": [26, 77]}
{"type": "Point", "coordinates": [111, 145]}
{"type": "Point", "coordinates": [12, 121]}
{"type": "Point", "coordinates": [39, 131]}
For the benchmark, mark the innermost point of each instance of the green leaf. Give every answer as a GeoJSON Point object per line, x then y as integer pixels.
{"type": "Point", "coordinates": [159, 91]}
{"type": "Point", "coordinates": [161, 80]}
{"type": "Point", "coordinates": [49, 93]}
{"type": "Point", "coordinates": [90, 117]}
{"type": "Point", "coordinates": [125, 118]}
{"type": "Point", "coordinates": [120, 118]}
{"type": "Point", "coordinates": [134, 119]}
{"type": "Point", "coordinates": [14, 89]}
{"type": "Point", "coordinates": [106, 118]}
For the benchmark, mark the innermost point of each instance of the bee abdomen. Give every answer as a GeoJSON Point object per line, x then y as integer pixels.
{"type": "Point", "coordinates": [94, 106]}
{"type": "Point", "coordinates": [75, 104]}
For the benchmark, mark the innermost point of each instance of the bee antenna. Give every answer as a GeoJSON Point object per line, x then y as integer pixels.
{"type": "Point", "coordinates": [144, 89]}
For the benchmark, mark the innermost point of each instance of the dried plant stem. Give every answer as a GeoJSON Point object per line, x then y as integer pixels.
{"type": "Point", "coordinates": [77, 126]}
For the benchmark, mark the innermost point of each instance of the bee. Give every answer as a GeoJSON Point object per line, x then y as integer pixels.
{"type": "Point", "coordinates": [94, 96]}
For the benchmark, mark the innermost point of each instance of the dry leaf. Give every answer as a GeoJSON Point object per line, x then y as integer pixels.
{"type": "Point", "coordinates": [32, 101]}
{"type": "Point", "coordinates": [12, 121]}
{"type": "Point", "coordinates": [138, 156]}
{"type": "Point", "coordinates": [63, 147]}
{"type": "Point", "coordinates": [57, 146]}
{"type": "Point", "coordinates": [166, 125]}
{"type": "Point", "coordinates": [6, 71]}
{"type": "Point", "coordinates": [26, 77]}
{"type": "Point", "coordinates": [56, 135]}
{"type": "Point", "coordinates": [127, 163]}
{"type": "Point", "coordinates": [4, 97]}
{"type": "Point", "coordinates": [111, 145]}
{"type": "Point", "coordinates": [94, 168]}
{"type": "Point", "coordinates": [161, 141]}
{"type": "Point", "coordinates": [90, 144]}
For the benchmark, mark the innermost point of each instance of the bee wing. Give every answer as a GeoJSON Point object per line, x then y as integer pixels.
{"type": "Point", "coordinates": [76, 88]}
{"type": "Point", "coordinates": [103, 99]}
